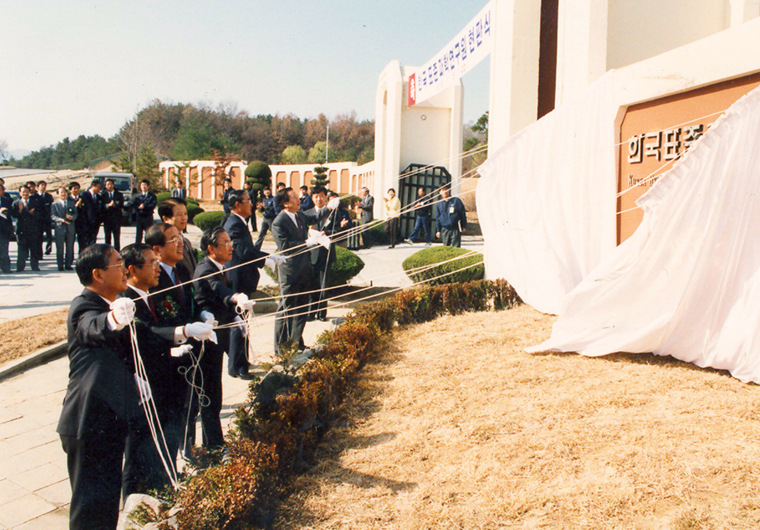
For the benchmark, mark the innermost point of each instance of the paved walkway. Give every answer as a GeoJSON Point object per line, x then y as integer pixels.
{"type": "Point", "coordinates": [34, 486]}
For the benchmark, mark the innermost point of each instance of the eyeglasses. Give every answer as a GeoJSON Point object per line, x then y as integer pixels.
{"type": "Point", "coordinates": [153, 264]}
{"type": "Point", "coordinates": [227, 244]}
{"type": "Point", "coordinates": [120, 264]}
{"type": "Point", "coordinates": [174, 240]}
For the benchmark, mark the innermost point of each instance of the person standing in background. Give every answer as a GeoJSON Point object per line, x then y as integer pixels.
{"type": "Point", "coordinates": [63, 215]}
{"type": "Point", "coordinates": [450, 219]}
{"type": "Point", "coordinates": [143, 206]}
{"type": "Point", "coordinates": [6, 229]}
{"type": "Point", "coordinates": [367, 208]}
{"type": "Point", "coordinates": [113, 205]}
{"type": "Point", "coordinates": [393, 212]}
{"type": "Point", "coordinates": [46, 220]}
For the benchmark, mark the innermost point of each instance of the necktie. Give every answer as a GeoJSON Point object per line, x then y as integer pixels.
{"type": "Point", "coordinates": [152, 308]}
{"type": "Point", "coordinates": [300, 226]}
{"type": "Point", "coordinates": [180, 290]}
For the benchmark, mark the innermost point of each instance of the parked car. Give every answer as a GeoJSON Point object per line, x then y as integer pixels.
{"type": "Point", "coordinates": [123, 182]}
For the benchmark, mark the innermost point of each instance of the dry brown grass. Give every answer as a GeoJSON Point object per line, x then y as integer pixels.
{"type": "Point", "coordinates": [24, 336]}
{"type": "Point", "coordinates": [457, 427]}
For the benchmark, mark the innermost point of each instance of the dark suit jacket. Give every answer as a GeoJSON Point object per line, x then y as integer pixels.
{"type": "Point", "coordinates": [112, 214]}
{"type": "Point", "coordinates": [27, 225]}
{"type": "Point", "coordinates": [179, 193]}
{"type": "Point", "coordinates": [6, 225]}
{"type": "Point", "coordinates": [213, 293]}
{"type": "Point", "coordinates": [156, 340]}
{"type": "Point", "coordinates": [89, 211]}
{"type": "Point", "coordinates": [295, 272]}
{"type": "Point", "coordinates": [150, 201]}
{"type": "Point", "coordinates": [47, 201]}
{"type": "Point", "coordinates": [244, 279]}
{"type": "Point", "coordinates": [100, 369]}
{"type": "Point", "coordinates": [175, 307]}
{"type": "Point", "coordinates": [330, 226]}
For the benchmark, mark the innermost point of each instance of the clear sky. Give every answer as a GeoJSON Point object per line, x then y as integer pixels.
{"type": "Point", "coordinates": [85, 67]}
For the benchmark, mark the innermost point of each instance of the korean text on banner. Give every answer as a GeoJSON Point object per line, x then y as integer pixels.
{"type": "Point", "coordinates": [458, 57]}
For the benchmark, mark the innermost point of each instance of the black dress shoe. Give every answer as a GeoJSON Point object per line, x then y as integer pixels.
{"type": "Point", "coordinates": [69, 268]}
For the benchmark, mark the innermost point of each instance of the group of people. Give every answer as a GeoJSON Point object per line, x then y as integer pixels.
{"type": "Point", "coordinates": [450, 217]}
{"type": "Point", "coordinates": [72, 216]}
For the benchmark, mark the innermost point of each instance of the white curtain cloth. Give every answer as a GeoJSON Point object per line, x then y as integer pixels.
{"type": "Point", "coordinates": [546, 199]}
{"type": "Point", "coordinates": [687, 283]}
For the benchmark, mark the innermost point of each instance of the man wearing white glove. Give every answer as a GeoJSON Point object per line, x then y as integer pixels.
{"type": "Point", "coordinates": [101, 399]}
{"type": "Point", "coordinates": [213, 293]}
{"type": "Point", "coordinates": [161, 324]}
{"type": "Point", "coordinates": [289, 230]}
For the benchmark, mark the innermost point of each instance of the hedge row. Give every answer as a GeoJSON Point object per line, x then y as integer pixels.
{"type": "Point", "coordinates": [279, 428]}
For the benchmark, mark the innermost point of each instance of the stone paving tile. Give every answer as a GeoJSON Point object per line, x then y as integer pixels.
{"type": "Point", "coordinates": [18, 426]}
{"type": "Point", "coordinates": [28, 440]}
{"type": "Point", "coordinates": [24, 509]}
{"type": "Point", "coordinates": [10, 491]}
{"type": "Point", "coordinates": [55, 520]}
{"type": "Point", "coordinates": [40, 477]}
{"type": "Point", "coordinates": [13, 466]}
{"type": "Point", "coordinates": [58, 493]}
{"type": "Point", "coordinates": [6, 414]}
{"type": "Point", "coordinates": [49, 452]}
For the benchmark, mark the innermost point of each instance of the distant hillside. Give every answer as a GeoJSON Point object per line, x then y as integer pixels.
{"type": "Point", "coordinates": [188, 132]}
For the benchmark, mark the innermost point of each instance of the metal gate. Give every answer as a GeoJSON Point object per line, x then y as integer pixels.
{"type": "Point", "coordinates": [415, 176]}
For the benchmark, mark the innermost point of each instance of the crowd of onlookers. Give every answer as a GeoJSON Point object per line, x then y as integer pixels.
{"type": "Point", "coordinates": [71, 217]}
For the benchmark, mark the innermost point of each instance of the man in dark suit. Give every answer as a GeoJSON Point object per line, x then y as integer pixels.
{"type": "Point", "coordinates": [225, 202]}
{"type": "Point", "coordinates": [289, 230]}
{"type": "Point", "coordinates": [28, 234]}
{"type": "Point", "coordinates": [245, 278]}
{"type": "Point", "coordinates": [321, 257]}
{"type": "Point", "coordinates": [214, 293]}
{"type": "Point", "coordinates": [179, 191]}
{"type": "Point", "coordinates": [175, 307]}
{"type": "Point", "coordinates": [47, 223]}
{"type": "Point", "coordinates": [143, 469]}
{"type": "Point", "coordinates": [113, 204]}
{"type": "Point", "coordinates": [102, 395]}
{"type": "Point", "coordinates": [89, 215]}
{"type": "Point", "coordinates": [6, 229]}
{"type": "Point", "coordinates": [143, 205]}
{"type": "Point", "coordinates": [174, 212]}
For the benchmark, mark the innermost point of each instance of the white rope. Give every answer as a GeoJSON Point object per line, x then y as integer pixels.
{"type": "Point", "coordinates": [151, 412]}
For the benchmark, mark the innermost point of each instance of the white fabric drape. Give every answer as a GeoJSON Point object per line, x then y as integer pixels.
{"type": "Point", "coordinates": [687, 283]}
{"type": "Point", "coordinates": [546, 199]}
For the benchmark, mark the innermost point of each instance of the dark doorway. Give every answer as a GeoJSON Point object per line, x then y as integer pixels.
{"type": "Point", "coordinates": [429, 178]}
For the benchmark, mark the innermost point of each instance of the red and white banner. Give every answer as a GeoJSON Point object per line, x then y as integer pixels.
{"type": "Point", "coordinates": [458, 57]}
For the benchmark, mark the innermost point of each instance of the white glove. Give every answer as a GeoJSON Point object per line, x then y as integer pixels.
{"type": "Point", "coordinates": [209, 318]}
{"type": "Point", "coordinates": [181, 350]}
{"type": "Point", "coordinates": [123, 311]}
{"type": "Point", "coordinates": [334, 203]}
{"type": "Point", "coordinates": [241, 324]}
{"type": "Point", "coordinates": [313, 239]}
{"type": "Point", "coordinates": [199, 330]}
{"type": "Point", "coordinates": [277, 258]}
{"type": "Point", "coordinates": [243, 302]}
{"type": "Point", "coordinates": [143, 388]}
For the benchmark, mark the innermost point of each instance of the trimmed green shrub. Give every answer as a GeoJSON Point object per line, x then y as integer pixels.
{"type": "Point", "coordinates": [260, 176]}
{"type": "Point", "coordinates": [206, 220]}
{"type": "Point", "coordinates": [433, 255]}
{"type": "Point", "coordinates": [161, 197]}
{"type": "Point", "coordinates": [342, 270]}
{"type": "Point", "coordinates": [190, 200]}
{"type": "Point", "coordinates": [192, 211]}
{"type": "Point", "coordinates": [346, 266]}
